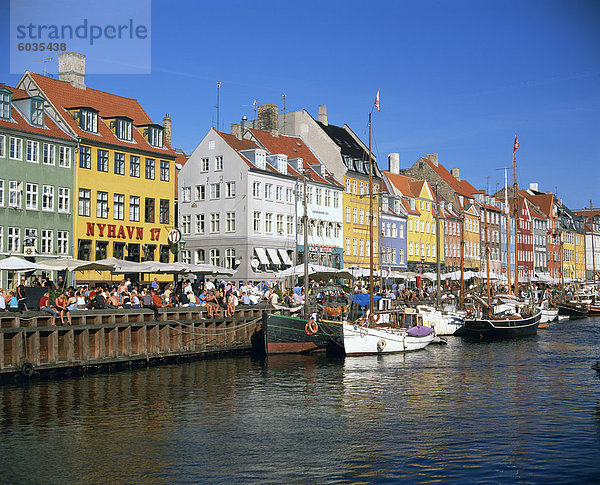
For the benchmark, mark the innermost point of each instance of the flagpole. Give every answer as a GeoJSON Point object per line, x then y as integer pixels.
{"type": "Point", "coordinates": [516, 212]}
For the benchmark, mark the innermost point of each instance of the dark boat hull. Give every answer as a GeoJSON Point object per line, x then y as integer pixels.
{"type": "Point", "coordinates": [499, 329]}
{"type": "Point", "coordinates": [572, 311]}
{"type": "Point", "coordinates": [594, 310]}
{"type": "Point", "coordinates": [288, 335]}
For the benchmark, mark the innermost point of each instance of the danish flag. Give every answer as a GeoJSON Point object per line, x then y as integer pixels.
{"type": "Point", "coordinates": [516, 144]}
{"type": "Point", "coordinates": [377, 101]}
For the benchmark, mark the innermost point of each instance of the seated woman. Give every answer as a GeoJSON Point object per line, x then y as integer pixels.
{"type": "Point", "coordinates": [80, 299]}
{"type": "Point", "coordinates": [72, 302]}
{"type": "Point", "coordinates": [230, 304]}
{"type": "Point", "coordinates": [45, 306]}
{"type": "Point", "coordinates": [135, 301]}
{"type": "Point", "coordinates": [12, 304]}
{"type": "Point", "coordinates": [61, 305]}
{"type": "Point", "coordinates": [212, 305]}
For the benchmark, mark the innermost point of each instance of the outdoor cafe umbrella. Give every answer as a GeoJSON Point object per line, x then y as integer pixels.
{"type": "Point", "coordinates": [13, 263]}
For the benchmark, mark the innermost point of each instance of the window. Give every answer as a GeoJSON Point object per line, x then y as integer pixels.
{"type": "Point", "coordinates": [48, 197]}
{"type": "Point", "coordinates": [150, 168]}
{"type": "Point", "coordinates": [215, 257]}
{"type": "Point", "coordinates": [269, 222]}
{"type": "Point", "coordinates": [362, 217]}
{"type": "Point", "coordinates": [134, 208]}
{"type": "Point", "coordinates": [119, 250]}
{"type": "Point", "coordinates": [13, 240]}
{"type": "Point", "coordinates": [204, 165]}
{"type": "Point", "coordinates": [327, 198]}
{"type": "Point", "coordinates": [200, 224]}
{"type": "Point", "coordinates": [16, 148]}
{"type": "Point", "coordinates": [149, 210]}
{"type": "Point", "coordinates": [134, 166]}
{"type": "Point", "coordinates": [155, 136]}
{"type": "Point", "coordinates": [1, 199]}
{"type": "Point", "coordinates": [319, 196]}
{"type": "Point", "coordinates": [361, 189]}
{"type": "Point", "coordinates": [84, 249]}
{"type": "Point", "coordinates": [256, 189]}
{"type": "Point", "coordinates": [288, 194]}
{"type": "Point", "coordinates": [64, 157]}
{"type": "Point", "coordinates": [218, 163]}
{"type": "Point", "coordinates": [88, 120]}
{"type": "Point", "coordinates": [354, 215]}
{"type": "Point", "coordinates": [309, 195]}
{"type": "Point", "coordinates": [102, 205]}
{"type": "Point", "coordinates": [361, 251]}
{"type": "Point", "coordinates": [256, 221]}
{"type": "Point", "coordinates": [354, 247]}
{"type": "Point", "coordinates": [85, 157]}
{"type": "Point", "coordinates": [5, 106]}
{"type": "Point", "coordinates": [215, 191]}
{"type": "Point", "coordinates": [422, 226]}
{"type": "Point", "coordinates": [31, 196]}
{"type": "Point", "coordinates": [336, 200]}
{"type": "Point", "coordinates": [101, 249]}
{"type": "Point", "coordinates": [33, 151]}
{"type": "Point", "coordinates": [230, 258]}
{"type": "Point", "coordinates": [37, 112]}
{"type": "Point", "coordinates": [290, 225]}
{"type": "Point", "coordinates": [348, 246]}
{"type": "Point", "coordinates": [215, 222]}
{"type": "Point", "coordinates": [200, 192]}
{"type": "Point", "coordinates": [119, 163]}
{"type": "Point", "coordinates": [230, 221]}
{"type": "Point", "coordinates": [186, 224]}
{"type": "Point", "coordinates": [119, 207]}
{"type": "Point", "coordinates": [30, 237]}
{"type": "Point", "coordinates": [279, 193]}
{"type": "Point", "coordinates": [49, 152]}
{"type": "Point", "coordinates": [185, 256]}
{"type": "Point", "coordinates": [186, 194]}
{"type": "Point", "coordinates": [354, 187]}
{"type": "Point", "coordinates": [15, 191]}
{"type": "Point", "coordinates": [164, 170]}
{"type": "Point", "coordinates": [348, 186]}
{"type": "Point", "coordinates": [47, 241]}
{"type": "Point", "coordinates": [62, 242]}
{"type": "Point", "coordinates": [163, 215]}
{"type": "Point", "coordinates": [123, 129]}
{"type": "Point", "coordinates": [200, 256]}
{"type": "Point", "coordinates": [268, 191]}
{"type": "Point", "coordinates": [230, 189]}
{"type": "Point", "coordinates": [102, 161]}
{"type": "Point", "coordinates": [280, 227]}
{"type": "Point", "coordinates": [85, 200]}
{"type": "Point", "coordinates": [2, 144]}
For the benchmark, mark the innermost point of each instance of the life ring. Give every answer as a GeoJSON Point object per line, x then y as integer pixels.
{"type": "Point", "coordinates": [27, 369]}
{"type": "Point", "coordinates": [376, 317]}
{"type": "Point", "coordinates": [311, 327]}
{"type": "Point", "coordinates": [381, 345]}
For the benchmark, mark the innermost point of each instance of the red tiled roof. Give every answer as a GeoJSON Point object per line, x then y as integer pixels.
{"type": "Point", "coordinates": [402, 183]}
{"type": "Point", "coordinates": [462, 187]}
{"type": "Point", "coordinates": [63, 95]}
{"type": "Point", "coordinates": [18, 122]}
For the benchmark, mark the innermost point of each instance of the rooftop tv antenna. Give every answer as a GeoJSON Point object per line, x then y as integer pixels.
{"type": "Point", "coordinates": [283, 98]}
{"type": "Point", "coordinates": [45, 60]}
{"type": "Point", "coordinates": [218, 91]}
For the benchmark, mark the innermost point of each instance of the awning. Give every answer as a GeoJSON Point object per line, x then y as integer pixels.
{"type": "Point", "coordinates": [262, 255]}
{"type": "Point", "coordinates": [285, 257]}
{"type": "Point", "coordinates": [273, 255]}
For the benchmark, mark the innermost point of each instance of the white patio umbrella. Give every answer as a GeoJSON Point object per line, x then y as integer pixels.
{"type": "Point", "coordinates": [13, 263]}
{"type": "Point", "coordinates": [70, 264]}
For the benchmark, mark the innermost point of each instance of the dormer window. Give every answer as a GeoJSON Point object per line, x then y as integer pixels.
{"type": "Point", "coordinates": [37, 111]}
{"type": "Point", "coordinates": [5, 104]}
{"type": "Point", "coordinates": [155, 136]}
{"type": "Point", "coordinates": [88, 120]}
{"type": "Point", "coordinates": [260, 159]}
{"type": "Point", "coordinates": [123, 129]}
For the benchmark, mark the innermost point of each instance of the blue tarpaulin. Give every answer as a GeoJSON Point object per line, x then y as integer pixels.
{"type": "Point", "coordinates": [364, 299]}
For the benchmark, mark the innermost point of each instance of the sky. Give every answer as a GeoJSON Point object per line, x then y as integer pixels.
{"type": "Point", "coordinates": [459, 78]}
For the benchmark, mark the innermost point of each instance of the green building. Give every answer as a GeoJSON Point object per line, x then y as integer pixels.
{"type": "Point", "coordinates": [36, 181]}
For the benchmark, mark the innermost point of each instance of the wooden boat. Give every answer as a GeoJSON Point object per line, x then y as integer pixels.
{"type": "Point", "coordinates": [284, 334]}
{"type": "Point", "coordinates": [520, 324]}
{"type": "Point", "coordinates": [572, 309]}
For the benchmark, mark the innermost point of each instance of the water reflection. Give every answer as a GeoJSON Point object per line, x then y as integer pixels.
{"type": "Point", "coordinates": [500, 412]}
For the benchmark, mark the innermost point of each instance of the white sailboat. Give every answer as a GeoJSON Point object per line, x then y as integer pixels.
{"type": "Point", "coordinates": [385, 331]}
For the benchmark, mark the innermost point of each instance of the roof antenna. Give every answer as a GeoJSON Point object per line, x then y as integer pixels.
{"type": "Point", "coordinates": [218, 91]}
{"type": "Point", "coordinates": [283, 98]}
{"type": "Point", "coordinates": [45, 60]}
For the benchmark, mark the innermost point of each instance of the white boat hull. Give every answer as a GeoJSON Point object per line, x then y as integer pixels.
{"type": "Point", "coordinates": [442, 322]}
{"type": "Point", "coordinates": [361, 340]}
{"type": "Point", "coordinates": [548, 315]}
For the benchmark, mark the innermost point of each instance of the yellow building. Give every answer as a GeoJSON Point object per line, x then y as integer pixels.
{"type": "Point", "coordinates": [569, 260]}
{"type": "Point", "coordinates": [580, 256]}
{"type": "Point", "coordinates": [471, 238]}
{"type": "Point", "coordinates": [124, 173]}
{"type": "Point", "coordinates": [356, 221]}
{"type": "Point", "coordinates": [421, 224]}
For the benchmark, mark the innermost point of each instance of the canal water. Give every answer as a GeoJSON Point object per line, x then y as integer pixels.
{"type": "Point", "coordinates": [516, 411]}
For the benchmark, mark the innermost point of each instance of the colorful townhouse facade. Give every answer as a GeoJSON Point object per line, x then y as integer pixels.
{"type": "Point", "coordinates": [591, 219]}
{"type": "Point", "coordinates": [36, 182]}
{"type": "Point", "coordinates": [123, 171]}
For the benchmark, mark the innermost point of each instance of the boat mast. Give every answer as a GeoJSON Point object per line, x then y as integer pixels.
{"type": "Point", "coordinates": [507, 213]}
{"type": "Point", "coordinates": [462, 259]}
{"type": "Point", "coordinates": [487, 252]}
{"type": "Point", "coordinates": [560, 259]}
{"type": "Point", "coordinates": [593, 250]}
{"type": "Point", "coordinates": [370, 228]}
{"type": "Point", "coordinates": [305, 229]}
{"type": "Point", "coordinates": [437, 247]}
{"type": "Point", "coordinates": [516, 212]}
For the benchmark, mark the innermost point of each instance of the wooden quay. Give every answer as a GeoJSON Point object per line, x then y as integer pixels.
{"type": "Point", "coordinates": [29, 344]}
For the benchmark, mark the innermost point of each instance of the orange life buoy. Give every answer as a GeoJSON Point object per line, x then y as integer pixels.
{"type": "Point", "coordinates": [376, 317]}
{"type": "Point", "coordinates": [311, 327]}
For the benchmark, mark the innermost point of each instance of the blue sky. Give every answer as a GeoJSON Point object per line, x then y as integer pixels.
{"type": "Point", "coordinates": [460, 78]}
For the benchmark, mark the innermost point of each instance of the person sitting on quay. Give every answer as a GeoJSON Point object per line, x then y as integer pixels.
{"type": "Point", "coordinates": [202, 298]}
{"type": "Point", "coordinates": [230, 304]}
{"type": "Point", "coordinates": [192, 299]}
{"type": "Point", "coordinates": [148, 302]}
{"type": "Point", "coordinates": [172, 301]}
{"type": "Point", "coordinates": [183, 299]}
{"type": "Point", "coordinates": [113, 300]}
{"type": "Point", "coordinates": [61, 305]}
{"type": "Point", "coordinates": [71, 300]}
{"type": "Point", "coordinates": [97, 302]}
{"type": "Point", "coordinates": [12, 302]}
{"type": "Point", "coordinates": [46, 306]}
{"type": "Point", "coordinates": [212, 305]}
{"type": "Point", "coordinates": [135, 301]}
{"type": "Point", "coordinates": [2, 301]}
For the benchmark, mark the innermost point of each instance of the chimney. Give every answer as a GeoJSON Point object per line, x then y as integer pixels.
{"type": "Point", "coordinates": [323, 114]}
{"type": "Point", "coordinates": [533, 186]}
{"type": "Point", "coordinates": [432, 157]}
{"type": "Point", "coordinates": [455, 173]}
{"type": "Point", "coordinates": [268, 118]}
{"type": "Point", "coordinates": [167, 129]}
{"type": "Point", "coordinates": [236, 130]}
{"type": "Point", "coordinates": [71, 68]}
{"type": "Point", "coordinates": [394, 162]}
